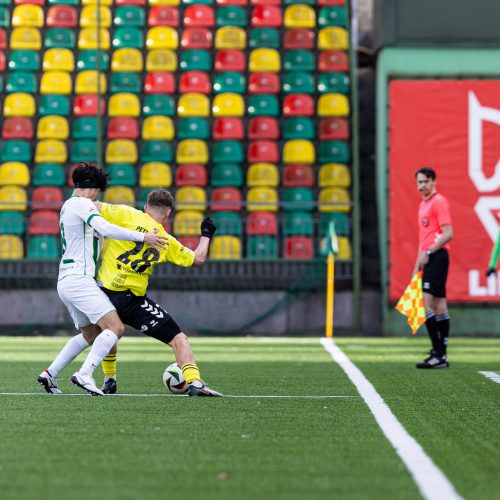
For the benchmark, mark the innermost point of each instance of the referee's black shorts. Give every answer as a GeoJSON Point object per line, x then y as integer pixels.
{"type": "Point", "coordinates": [435, 274]}
{"type": "Point", "coordinates": [144, 315]}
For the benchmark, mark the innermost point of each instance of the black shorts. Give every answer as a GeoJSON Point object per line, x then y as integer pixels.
{"type": "Point", "coordinates": [436, 273]}
{"type": "Point", "coordinates": [144, 315]}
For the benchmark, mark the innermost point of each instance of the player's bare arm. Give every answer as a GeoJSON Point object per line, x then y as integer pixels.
{"type": "Point", "coordinates": [207, 231]}
{"type": "Point", "coordinates": [445, 237]}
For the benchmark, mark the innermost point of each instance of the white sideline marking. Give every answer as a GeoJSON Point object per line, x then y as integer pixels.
{"type": "Point", "coordinates": [430, 480]}
{"type": "Point", "coordinates": [493, 376]}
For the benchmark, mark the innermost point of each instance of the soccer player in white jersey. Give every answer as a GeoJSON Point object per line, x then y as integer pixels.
{"type": "Point", "coordinates": [82, 232]}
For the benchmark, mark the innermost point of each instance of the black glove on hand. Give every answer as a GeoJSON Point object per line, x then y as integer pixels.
{"type": "Point", "coordinates": [490, 271]}
{"type": "Point", "coordinates": [208, 227]}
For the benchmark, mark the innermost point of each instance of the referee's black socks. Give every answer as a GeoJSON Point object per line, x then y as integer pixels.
{"type": "Point", "coordinates": [433, 329]}
{"type": "Point", "coordinates": [443, 325]}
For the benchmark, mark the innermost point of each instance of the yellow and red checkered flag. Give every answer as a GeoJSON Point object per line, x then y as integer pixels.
{"type": "Point", "coordinates": [411, 304]}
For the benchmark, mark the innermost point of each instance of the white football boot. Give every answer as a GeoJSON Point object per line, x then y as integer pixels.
{"type": "Point", "coordinates": [48, 383]}
{"type": "Point", "coordinates": [87, 383]}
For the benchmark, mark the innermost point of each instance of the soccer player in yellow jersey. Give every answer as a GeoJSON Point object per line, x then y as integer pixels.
{"type": "Point", "coordinates": [124, 274]}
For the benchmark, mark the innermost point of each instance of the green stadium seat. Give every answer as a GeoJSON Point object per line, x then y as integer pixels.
{"type": "Point", "coordinates": [193, 128]}
{"type": "Point", "coordinates": [195, 60]}
{"type": "Point", "coordinates": [12, 223]}
{"type": "Point", "coordinates": [299, 60]}
{"type": "Point", "coordinates": [156, 151]}
{"type": "Point", "coordinates": [228, 223]}
{"type": "Point", "coordinates": [49, 174]}
{"type": "Point", "coordinates": [44, 247]}
{"type": "Point", "coordinates": [299, 128]}
{"type": "Point", "coordinates": [63, 38]}
{"type": "Point", "coordinates": [224, 150]}
{"type": "Point", "coordinates": [342, 224]}
{"type": "Point", "coordinates": [332, 16]}
{"type": "Point", "coordinates": [229, 81]}
{"type": "Point", "coordinates": [334, 82]}
{"type": "Point", "coordinates": [122, 174]}
{"type": "Point", "coordinates": [227, 174]}
{"type": "Point", "coordinates": [84, 127]}
{"type": "Point", "coordinates": [21, 81]}
{"type": "Point", "coordinates": [334, 152]}
{"type": "Point", "coordinates": [264, 38]}
{"type": "Point", "coordinates": [262, 247]}
{"type": "Point", "coordinates": [16, 151]}
{"type": "Point", "coordinates": [83, 151]}
{"type": "Point", "coordinates": [53, 105]}
{"type": "Point", "coordinates": [24, 60]}
{"type": "Point", "coordinates": [298, 224]}
{"type": "Point", "coordinates": [298, 82]}
{"type": "Point", "coordinates": [1, 84]}
{"type": "Point", "coordinates": [4, 17]}
{"type": "Point", "coordinates": [231, 16]}
{"type": "Point", "coordinates": [131, 16]}
{"type": "Point", "coordinates": [128, 38]}
{"type": "Point", "coordinates": [263, 105]}
{"type": "Point", "coordinates": [197, 2]}
{"type": "Point", "coordinates": [64, 2]}
{"type": "Point", "coordinates": [298, 199]}
{"type": "Point", "coordinates": [143, 197]}
{"type": "Point", "coordinates": [87, 59]}
{"type": "Point", "coordinates": [158, 104]}
{"type": "Point", "coordinates": [125, 82]}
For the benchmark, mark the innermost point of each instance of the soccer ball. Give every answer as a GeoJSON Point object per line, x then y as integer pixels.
{"type": "Point", "coordinates": [174, 380]}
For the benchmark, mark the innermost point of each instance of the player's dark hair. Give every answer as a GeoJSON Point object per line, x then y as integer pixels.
{"type": "Point", "coordinates": [427, 171]}
{"type": "Point", "coordinates": [88, 175]}
{"type": "Point", "coordinates": [160, 197]}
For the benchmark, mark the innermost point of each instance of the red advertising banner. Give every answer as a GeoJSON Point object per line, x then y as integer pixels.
{"type": "Point", "coordinates": [452, 126]}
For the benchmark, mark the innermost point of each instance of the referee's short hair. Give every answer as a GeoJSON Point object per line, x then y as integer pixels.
{"type": "Point", "coordinates": [161, 198]}
{"type": "Point", "coordinates": [427, 171]}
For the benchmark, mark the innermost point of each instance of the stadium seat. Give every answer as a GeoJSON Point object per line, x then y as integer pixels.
{"type": "Point", "coordinates": [242, 3]}
{"type": "Point", "coordinates": [44, 247]}
{"type": "Point", "coordinates": [264, 60]}
{"type": "Point", "coordinates": [193, 104]}
{"type": "Point", "coordinates": [124, 104]}
{"type": "Point", "coordinates": [14, 173]}
{"type": "Point", "coordinates": [299, 60]}
{"type": "Point", "coordinates": [195, 60]}
{"type": "Point", "coordinates": [87, 82]}
{"type": "Point", "coordinates": [334, 199]}
{"type": "Point", "coordinates": [11, 247]}
{"type": "Point", "coordinates": [158, 104]}
{"type": "Point", "coordinates": [190, 242]}
{"type": "Point", "coordinates": [264, 83]}
{"type": "Point", "coordinates": [156, 151]}
{"type": "Point", "coordinates": [193, 128]}
{"type": "Point", "coordinates": [162, 37]}
{"type": "Point", "coordinates": [92, 17]}
{"type": "Point", "coordinates": [263, 105]}
{"type": "Point", "coordinates": [191, 198]}
{"type": "Point", "coordinates": [56, 82]}
{"type": "Point", "coordinates": [21, 81]}
{"type": "Point", "coordinates": [3, 39]}
{"type": "Point", "coordinates": [299, 38]}
{"type": "Point", "coordinates": [231, 16]}
{"type": "Point", "coordinates": [163, 15]}
{"type": "Point", "coordinates": [187, 223]}
{"type": "Point", "coordinates": [58, 59]}
{"type": "Point", "coordinates": [224, 199]}
{"type": "Point", "coordinates": [122, 174]}
{"type": "Point", "coordinates": [298, 199]}
{"type": "Point", "coordinates": [157, 128]}
{"type": "Point", "coordinates": [89, 38]}
{"type": "Point", "coordinates": [194, 81]}
{"type": "Point", "coordinates": [345, 249]}
{"type": "Point", "coordinates": [125, 82]}
{"type": "Point", "coordinates": [12, 223]}
{"type": "Point", "coordinates": [230, 60]}
{"type": "Point", "coordinates": [53, 105]}
{"type": "Point", "coordinates": [261, 224]}
{"type": "Point", "coordinates": [84, 128]}
{"type": "Point", "coordinates": [16, 151]}
{"type": "Point", "coordinates": [298, 175]}
{"type": "Point", "coordinates": [301, 2]}
{"type": "Point", "coordinates": [128, 38]}
{"type": "Point", "coordinates": [298, 105]}
{"type": "Point", "coordinates": [299, 16]}
{"type": "Point", "coordinates": [224, 150]}
{"type": "Point", "coordinates": [229, 81]}
{"type": "Point", "coordinates": [4, 17]}
{"type": "Point", "coordinates": [341, 221]}
{"type": "Point", "coordinates": [263, 174]}
{"type": "Point", "coordinates": [86, 105]}
{"type": "Point", "coordinates": [334, 152]}
{"type": "Point", "coordinates": [264, 38]}
{"type": "Point", "coordinates": [333, 39]}
{"type": "Point", "coordinates": [62, 16]}
{"type": "Point", "coordinates": [299, 128]}
{"type": "Point", "coordinates": [83, 151]}
{"type": "Point", "coordinates": [298, 247]}
{"type": "Point", "coordinates": [131, 16]}
{"type": "Point", "coordinates": [196, 38]}
{"type": "Point", "coordinates": [121, 151]}
{"type": "Point", "coordinates": [298, 224]}
{"type": "Point", "coordinates": [28, 16]}
{"type": "Point", "coordinates": [228, 104]}
{"type": "Point", "coordinates": [87, 59]}
{"type": "Point", "coordinates": [62, 38]}
{"type": "Point", "coordinates": [332, 16]}
{"type": "Point", "coordinates": [231, 37]}
{"type": "Point", "coordinates": [299, 151]}
{"type": "Point", "coordinates": [228, 223]}
{"type": "Point", "coordinates": [263, 128]}
{"type": "Point", "coordinates": [262, 199]}
{"type": "Point", "coordinates": [298, 82]}
{"type": "Point", "coordinates": [25, 38]}
{"type": "Point", "coordinates": [127, 59]}
{"type": "Point", "coordinates": [24, 60]}
{"type": "Point", "coordinates": [48, 174]}
{"type": "Point", "coordinates": [199, 16]}
{"type": "Point", "coordinates": [154, 174]}
{"type": "Point", "coordinates": [13, 198]}
{"type": "Point", "coordinates": [333, 60]}
{"type": "Point", "coordinates": [262, 247]}
{"type": "Point", "coordinates": [225, 248]}
{"type": "Point", "coordinates": [14, 127]}
{"type": "Point", "coordinates": [334, 82]}
{"type": "Point", "coordinates": [191, 174]}
{"type": "Point", "coordinates": [226, 174]}
{"type": "Point", "coordinates": [228, 128]}
{"type": "Point", "coordinates": [333, 105]}
{"type": "Point", "coordinates": [133, 2]}
{"type": "Point", "coordinates": [120, 194]}
{"type": "Point", "coordinates": [333, 128]}
{"type": "Point", "coordinates": [161, 60]}
{"type": "Point", "coordinates": [172, 3]}
{"type": "Point", "coordinates": [334, 175]}
{"type": "Point", "coordinates": [123, 128]}
{"type": "Point", "coordinates": [263, 152]}
{"type": "Point", "coordinates": [266, 16]}
{"type": "Point", "coordinates": [44, 222]}
{"type": "Point", "coordinates": [52, 127]}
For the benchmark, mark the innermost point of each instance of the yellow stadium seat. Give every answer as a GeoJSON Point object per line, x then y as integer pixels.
{"type": "Point", "coordinates": [300, 16]}
{"type": "Point", "coordinates": [107, 3]}
{"type": "Point", "coordinates": [58, 59]}
{"type": "Point", "coordinates": [154, 174]}
{"type": "Point", "coordinates": [187, 223]}
{"type": "Point", "coordinates": [263, 174]}
{"type": "Point", "coordinates": [25, 38]}
{"type": "Point", "coordinates": [345, 250]}
{"type": "Point", "coordinates": [161, 60]}
{"type": "Point", "coordinates": [87, 39]}
{"type": "Point", "coordinates": [19, 104]}
{"type": "Point", "coordinates": [192, 151]}
{"type": "Point", "coordinates": [51, 151]}
{"type": "Point", "coordinates": [225, 248]}
{"type": "Point", "coordinates": [14, 173]}
{"type": "Point", "coordinates": [162, 37]}
{"type": "Point", "coordinates": [333, 38]}
{"type": "Point", "coordinates": [264, 60]}
{"type": "Point", "coordinates": [56, 82]}
{"type": "Point", "coordinates": [173, 3]}
{"type": "Point", "coordinates": [231, 37]}
{"type": "Point", "coordinates": [299, 151]}
{"type": "Point", "coordinates": [193, 104]}
{"type": "Point", "coordinates": [121, 195]}
{"type": "Point", "coordinates": [127, 60]}
{"type": "Point", "coordinates": [228, 104]}
{"type": "Point", "coordinates": [28, 16]}
{"type": "Point", "coordinates": [333, 105]}
{"type": "Point", "coordinates": [11, 247]}
{"type": "Point", "coordinates": [121, 151]}
{"type": "Point", "coordinates": [13, 198]}
{"type": "Point", "coordinates": [334, 199]}
{"type": "Point", "coordinates": [124, 104]}
{"type": "Point", "coordinates": [52, 127]}
{"type": "Point", "coordinates": [86, 82]}
{"type": "Point", "coordinates": [157, 128]}
{"type": "Point", "coordinates": [191, 198]}
{"type": "Point", "coordinates": [89, 17]}
{"type": "Point", "coordinates": [334, 175]}
{"type": "Point", "coordinates": [262, 199]}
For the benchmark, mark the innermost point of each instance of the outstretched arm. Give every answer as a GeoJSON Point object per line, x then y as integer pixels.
{"type": "Point", "coordinates": [495, 252]}
{"type": "Point", "coordinates": [207, 231]}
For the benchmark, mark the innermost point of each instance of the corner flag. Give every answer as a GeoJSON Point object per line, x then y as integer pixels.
{"type": "Point", "coordinates": [411, 304]}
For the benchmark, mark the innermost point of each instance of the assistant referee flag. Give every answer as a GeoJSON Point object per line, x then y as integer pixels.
{"type": "Point", "coordinates": [411, 304]}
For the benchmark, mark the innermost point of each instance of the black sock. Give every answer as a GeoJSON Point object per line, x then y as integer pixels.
{"type": "Point", "coordinates": [432, 329]}
{"type": "Point", "coordinates": [443, 324]}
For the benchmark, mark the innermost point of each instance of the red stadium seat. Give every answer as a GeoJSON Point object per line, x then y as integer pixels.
{"type": "Point", "coordinates": [196, 38]}
{"type": "Point", "coordinates": [263, 151]}
{"type": "Point", "coordinates": [298, 247]}
{"type": "Point", "coordinates": [47, 198]}
{"type": "Point", "coordinates": [334, 128]}
{"type": "Point", "coordinates": [34, 2]}
{"type": "Point", "coordinates": [44, 222]}
{"type": "Point", "coordinates": [191, 175]}
{"type": "Point", "coordinates": [230, 60]}
{"type": "Point", "coordinates": [264, 83]}
{"type": "Point", "coordinates": [3, 62]}
{"type": "Point", "coordinates": [195, 81]}
{"type": "Point", "coordinates": [242, 3]}
{"type": "Point", "coordinates": [163, 15]}
{"type": "Point", "coordinates": [190, 242]}
{"type": "Point", "coordinates": [3, 39]}
{"type": "Point", "coordinates": [298, 105]}
{"type": "Point", "coordinates": [333, 60]}
{"type": "Point", "coordinates": [130, 2]}
{"type": "Point", "coordinates": [86, 105]}
{"type": "Point", "coordinates": [159, 82]}
{"type": "Point", "coordinates": [331, 2]}
{"type": "Point", "coordinates": [299, 38]}
{"type": "Point", "coordinates": [263, 127]}
{"type": "Point", "coordinates": [17, 128]}
{"type": "Point", "coordinates": [297, 175]}
{"type": "Point", "coordinates": [267, 16]}
{"type": "Point", "coordinates": [62, 16]}
{"type": "Point", "coordinates": [226, 199]}
{"type": "Point", "coordinates": [261, 224]}
{"type": "Point", "coordinates": [123, 128]}
{"type": "Point", "coordinates": [199, 16]}
{"type": "Point", "coordinates": [265, 2]}
{"type": "Point", "coordinates": [228, 128]}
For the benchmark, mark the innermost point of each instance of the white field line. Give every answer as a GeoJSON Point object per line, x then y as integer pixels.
{"type": "Point", "coordinates": [430, 480]}
{"type": "Point", "coordinates": [493, 376]}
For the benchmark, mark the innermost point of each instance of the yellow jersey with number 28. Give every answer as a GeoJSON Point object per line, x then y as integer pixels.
{"type": "Point", "coordinates": [127, 265]}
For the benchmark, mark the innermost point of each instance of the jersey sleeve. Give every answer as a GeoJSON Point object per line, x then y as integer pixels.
{"type": "Point", "coordinates": [443, 212]}
{"type": "Point", "coordinates": [178, 254]}
{"type": "Point", "coordinates": [85, 209]}
{"type": "Point", "coordinates": [117, 214]}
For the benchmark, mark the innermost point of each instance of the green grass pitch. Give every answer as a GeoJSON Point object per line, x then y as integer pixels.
{"type": "Point", "coordinates": [247, 448]}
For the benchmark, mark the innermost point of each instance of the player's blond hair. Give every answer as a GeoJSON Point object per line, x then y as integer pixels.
{"type": "Point", "coordinates": [160, 197]}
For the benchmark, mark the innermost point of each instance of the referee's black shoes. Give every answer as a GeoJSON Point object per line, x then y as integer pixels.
{"type": "Point", "coordinates": [434, 361]}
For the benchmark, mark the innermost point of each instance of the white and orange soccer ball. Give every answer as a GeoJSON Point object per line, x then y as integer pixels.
{"type": "Point", "coordinates": [173, 379]}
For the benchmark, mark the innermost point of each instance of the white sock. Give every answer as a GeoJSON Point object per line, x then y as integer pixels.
{"type": "Point", "coordinates": [101, 346]}
{"type": "Point", "coordinates": [68, 353]}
